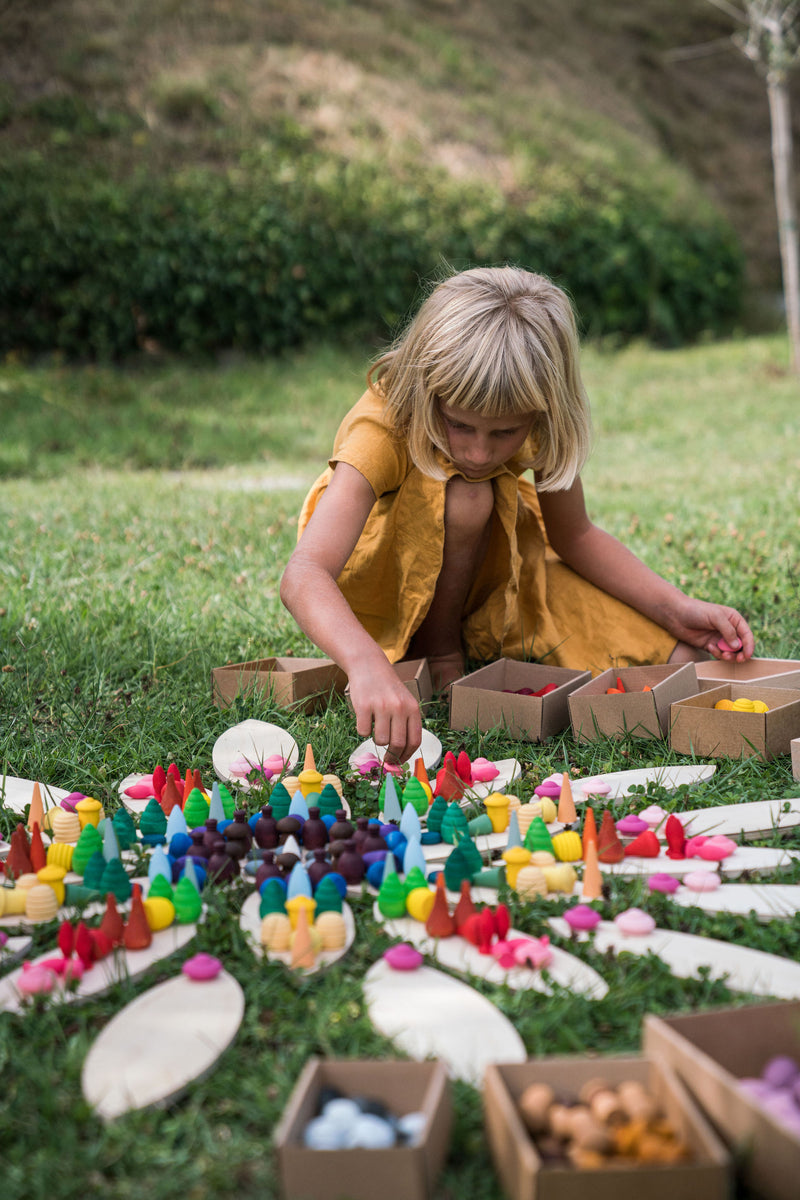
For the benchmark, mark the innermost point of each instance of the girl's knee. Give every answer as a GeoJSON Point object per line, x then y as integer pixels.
{"type": "Point", "coordinates": [468, 505]}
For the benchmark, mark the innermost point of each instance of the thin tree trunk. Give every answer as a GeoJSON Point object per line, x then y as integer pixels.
{"type": "Point", "coordinates": [786, 206]}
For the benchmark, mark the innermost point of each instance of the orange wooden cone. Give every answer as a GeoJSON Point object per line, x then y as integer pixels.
{"type": "Point", "coordinates": [589, 832]}
{"type": "Point", "coordinates": [36, 814]}
{"type": "Point", "coordinates": [592, 879]}
{"type": "Point", "coordinates": [137, 935]}
{"type": "Point", "coordinates": [566, 805]}
{"type": "Point", "coordinates": [420, 771]}
{"type": "Point", "coordinates": [188, 782]}
{"type": "Point", "coordinates": [37, 851]}
{"type": "Point", "coordinates": [439, 923]}
{"type": "Point", "coordinates": [302, 947]}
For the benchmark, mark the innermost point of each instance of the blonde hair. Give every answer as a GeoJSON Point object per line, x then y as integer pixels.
{"type": "Point", "coordinates": [498, 341]}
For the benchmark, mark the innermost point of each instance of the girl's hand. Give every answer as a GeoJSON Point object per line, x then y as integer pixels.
{"type": "Point", "coordinates": [387, 711]}
{"type": "Point", "coordinates": [716, 628]}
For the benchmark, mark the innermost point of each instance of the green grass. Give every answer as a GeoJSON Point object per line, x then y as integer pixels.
{"type": "Point", "coordinates": [126, 573]}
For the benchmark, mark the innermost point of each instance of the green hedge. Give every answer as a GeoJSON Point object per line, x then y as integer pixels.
{"type": "Point", "coordinates": [264, 259]}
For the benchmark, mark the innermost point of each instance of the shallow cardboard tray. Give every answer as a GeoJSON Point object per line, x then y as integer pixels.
{"type": "Point", "coordinates": [481, 700]}
{"type": "Point", "coordinates": [698, 728]}
{"type": "Point", "coordinates": [525, 1176]}
{"type": "Point", "coordinates": [401, 1173]}
{"type": "Point", "coordinates": [710, 1051]}
{"type": "Point", "coordinates": [775, 672]}
{"type": "Point", "coordinates": [304, 683]}
{"type": "Point", "coordinates": [595, 714]}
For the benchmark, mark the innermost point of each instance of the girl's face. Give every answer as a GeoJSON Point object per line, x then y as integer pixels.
{"type": "Point", "coordinates": [479, 445]}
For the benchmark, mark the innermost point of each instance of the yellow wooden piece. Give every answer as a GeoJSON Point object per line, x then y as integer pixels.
{"type": "Point", "coordinates": [560, 878]}
{"type": "Point", "coordinates": [497, 808]}
{"type": "Point", "coordinates": [294, 905]}
{"type": "Point", "coordinates": [53, 876]}
{"type": "Point", "coordinates": [515, 858]}
{"type": "Point", "coordinates": [567, 846]}
{"type": "Point", "coordinates": [60, 854]}
{"type": "Point", "coordinates": [12, 901]}
{"type": "Point", "coordinates": [419, 903]}
{"type": "Point", "coordinates": [276, 930]}
{"type": "Point", "coordinates": [160, 912]}
{"type": "Point", "coordinates": [90, 811]}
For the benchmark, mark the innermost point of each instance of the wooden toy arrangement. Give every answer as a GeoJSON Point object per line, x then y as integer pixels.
{"type": "Point", "coordinates": [441, 845]}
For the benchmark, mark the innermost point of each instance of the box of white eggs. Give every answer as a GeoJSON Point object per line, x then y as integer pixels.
{"type": "Point", "coordinates": [742, 1065]}
{"type": "Point", "coordinates": [364, 1128]}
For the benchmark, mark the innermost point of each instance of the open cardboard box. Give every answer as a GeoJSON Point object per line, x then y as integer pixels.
{"type": "Point", "coordinates": [698, 728]}
{"type": "Point", "coordinates": [710, 1051]}
{"type": "Point", "coordinates": [795, 748]}
{"type": "Point", "coordinates": [487, 699]}
{"type": "Point", "coordinates": [401, 1173]}
{"type": "Point", "coordinates": [774, 672]}
{"type": "Point", "coordinates": [525, 1176]}
{"type": "Point", "coordinates": [643, 714]}
{"type": "Point", "coordinates": [304, 682]}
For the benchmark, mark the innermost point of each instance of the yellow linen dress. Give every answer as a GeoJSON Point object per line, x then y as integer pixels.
{"type": "Point", "coordinates": [525, 603]}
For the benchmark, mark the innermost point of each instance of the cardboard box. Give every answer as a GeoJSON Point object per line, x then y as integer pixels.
{"type": "Point", "coordinates": [775, 672]}
{"type": "Point", "coordinates": [401, 1173]}
{"type": "Point", "coordinates": [487, 699]}
{"type": "Point", "coordinates": [525, 1176]}
{"type": "Point", "coordinates": [700, 729]}
{"type": "Point", "coordinates": [710, 1051]}
{"type": "Point", "coordinates": [304, 682]}
{"type": "Point", "coordinates": [643, 714]}
{"type": "Point", "coordinates": [795, 748]}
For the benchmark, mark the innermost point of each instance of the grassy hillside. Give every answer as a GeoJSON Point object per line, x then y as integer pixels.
{"type": "Point", "coordinates": [529, 95]}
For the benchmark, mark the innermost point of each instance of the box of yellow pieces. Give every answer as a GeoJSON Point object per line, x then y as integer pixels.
{"type": "Point", "coordinates": [699, 727]}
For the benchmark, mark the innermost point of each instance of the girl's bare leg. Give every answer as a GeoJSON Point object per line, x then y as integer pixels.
{"type": "Point", "coordinates": [684, 653]}
{"type": "Point", "coordinates": [467, 519]}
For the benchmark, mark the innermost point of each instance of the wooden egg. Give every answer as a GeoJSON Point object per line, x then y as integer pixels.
{"type": "Point", "coordinates": [534, 1106]}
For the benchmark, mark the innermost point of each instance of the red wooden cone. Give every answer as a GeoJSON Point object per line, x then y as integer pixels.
{"type": "Point", "coordinates": [472, 929]}
{"type": "Point", "coordinates": [66, 939]}
{"type": "Point", "coordinates": [439, 923]}
{"type": "Point", "coordinates": [646, 845]}
{"type": "Point", "coordinates": [37, 852]}
{"type": "Point", "coordinates": [676, 837]}
{"type": "Point", "coordinates": [170, 796]}
{"type": "Point", "coordinates": [465, 907]}
{"type": "Point", "coordinates": [197, 780]}
{"type": "Point", "coordinates": [486, 919]}
{"type": "Point", "coordinates": [112, 923]}
{"type": "Point", "coordinates": [138, 934]}
{"type": "Point", "coordinates": [18, 860]}
{"type": "Point", "coordinates": [464, 767]}
{"type": "Point", "coordinates": [609, 846]}
{"type": "Point", "coordinates": [102, 944]}
{"type": "Point", "coordinates": [159, 779]}
{"type": "Point", "coordinates": [84, 946]}
{"type": "Point", "coordinates": [502, 921]}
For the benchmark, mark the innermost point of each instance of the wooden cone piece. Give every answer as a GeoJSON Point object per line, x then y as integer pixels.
{"type": "Point", "coordinates": [609, 845]}
{"type": "Point", "coordinates": [84, 946]}
{"type": "Point", "coordinates": [37, 851]}
{"type": "Point", "coordinates": [421, 772]}
{"type": "Point", "coordinates": [159, 779]}
{"type": "Point", "coordinates": [439, 923]}
{"type": "Point", "coordinates": [464, 767]}
{"type": "Point", "coordinates": [592, 879]}
{"type": "Point", "coordinates": [188, 783]}
{"type": "Point", "coordinates": [138, 934]}
{"type": "Point", "coordinates": [112, 923]}
{"type": "Point", "coordinates": [18, 861]}
{"type": "Point", "coordinates": [197, 780]}
{"type": "Point", "coordinates": [465, 907]}
{"type": "Point", "coordinates": [589, 831]}
{"type": "Point", "coordinates": [36, 814]}
{"type": "Point", "coordinates": [566, 805]}
{"type": "Point", "coordinates": [303, 954]}
{"type": "Point", "coordinates": [170, 796]}
{"type": "Point", "coordinates": [309, 763]}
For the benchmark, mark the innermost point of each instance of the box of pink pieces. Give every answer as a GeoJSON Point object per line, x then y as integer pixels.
{"type": "Point", "coordinates": [503, 695]}
{"type": "Point", "coordinates": [642, 709]}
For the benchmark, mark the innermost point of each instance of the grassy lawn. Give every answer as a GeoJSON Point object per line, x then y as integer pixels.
{"type": "Point", "coordinates": [145, 516]}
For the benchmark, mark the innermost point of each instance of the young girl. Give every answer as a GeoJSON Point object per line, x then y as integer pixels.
{"type": "Point", "coordinates": [421, 539]}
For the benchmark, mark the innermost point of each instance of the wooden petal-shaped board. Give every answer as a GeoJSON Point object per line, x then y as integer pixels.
{"type": "Point", "coordinates": [255, 741]}
{"type": "Point", "coordinates": [428, 1014]}
{"type": "Point", "coordinates": [742, 969]}
{"type": "Point", "coordinates": [121, 965]}
{"type": "Point", "coordinates": [744, 858]}
{"type": "Point", "coordinates": [13, 949]}
{"type": "Point", "coordinates": [250, 922]}
{"type": "Point", "coordinates": [769, 901]}
{"type": "Point", "coordinates": [430, 750]}
{"type": "Point", "coordinates": [160, 1042]}
{"type": "Point", "coordinates": [669, 777]}
{"type": "Point", "coordinates": [759, 818]}
{"type": "Point", "coordinates": [457, 954]}
{"type": "Point", "coordinates": [15, 793]}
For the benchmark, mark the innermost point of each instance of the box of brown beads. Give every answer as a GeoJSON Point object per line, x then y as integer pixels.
{"type": "Point", "coordinates": [609, 1128]}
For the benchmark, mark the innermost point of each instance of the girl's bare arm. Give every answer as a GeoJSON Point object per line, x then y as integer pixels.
{"type": "Point", "coordinates": [604, 561]}
{"type": "Point", "coordinates": [383, 706]}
